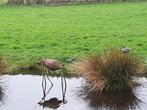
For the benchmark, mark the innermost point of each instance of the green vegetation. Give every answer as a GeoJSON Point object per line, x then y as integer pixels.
{"type": "Point", "coordinates": [111, 71]}
{"type": "Point", "coordinates": [3, 1]}
{"type": "Point", "coordinates": [30, 33]}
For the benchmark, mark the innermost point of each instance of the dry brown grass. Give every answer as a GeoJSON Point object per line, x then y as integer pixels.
{"type": "Point", "coordinates": [112, 70]}
{"type": "Point", "coordinates": [2, 65]}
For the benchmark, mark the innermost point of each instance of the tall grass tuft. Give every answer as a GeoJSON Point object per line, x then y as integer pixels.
{"type": "Point", "coordinates": [111, 71]}
{"type": "Point", "coordinates": [2, 65]}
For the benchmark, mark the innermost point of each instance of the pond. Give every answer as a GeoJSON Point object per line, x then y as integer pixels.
{"type": "Point", "coordinates": [24, 92]}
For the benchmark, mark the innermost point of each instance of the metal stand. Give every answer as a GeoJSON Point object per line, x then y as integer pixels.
{"type": "Point", "coordinates": [46, 77]}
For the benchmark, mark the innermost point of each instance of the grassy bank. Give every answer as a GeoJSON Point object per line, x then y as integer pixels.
{"type": "Point", "coordinates": [31, 33]}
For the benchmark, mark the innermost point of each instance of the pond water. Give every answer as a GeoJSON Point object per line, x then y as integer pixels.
{"type": "Point", "coordinates": [24, 92]}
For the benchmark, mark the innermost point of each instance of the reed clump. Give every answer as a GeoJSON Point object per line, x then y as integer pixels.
{"type": "Point", "coordinates": [111, 71]}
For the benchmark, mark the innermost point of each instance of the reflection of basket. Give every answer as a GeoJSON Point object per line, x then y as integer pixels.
{"type": "Point", "coordinates": [52, 103]}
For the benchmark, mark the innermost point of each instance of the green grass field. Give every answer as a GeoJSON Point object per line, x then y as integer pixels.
{"type": "Point", "coordinates": [31, 33]}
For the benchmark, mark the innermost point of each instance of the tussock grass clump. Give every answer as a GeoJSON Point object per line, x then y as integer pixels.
{"type": "Point", "coordinates": [2, 65]}
{"type": "Point", "coordinates": [110, 71]}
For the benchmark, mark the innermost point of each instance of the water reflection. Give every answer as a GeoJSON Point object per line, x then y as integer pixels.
{"type": "Point", "coordinates": [1, 96]}
{"type": "Point", "coordinates": [123, 100]}
{"type": "Point", "coordinates": [23, 92]}
{"type": "Point", "coordinates": [2, 91]}
{"type": "Point", "coordinates": [52, 103]}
